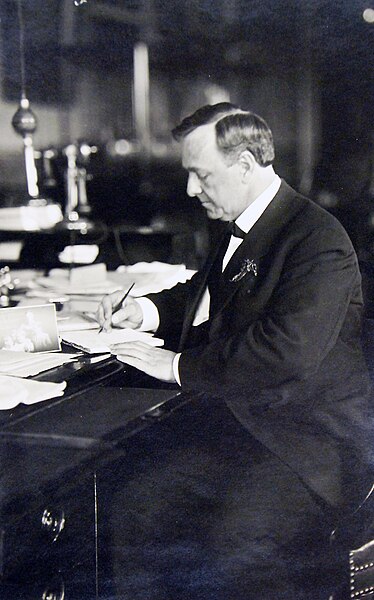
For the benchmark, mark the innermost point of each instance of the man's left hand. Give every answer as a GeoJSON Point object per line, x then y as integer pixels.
{"type": "Point", "coordinates": [153, 361]}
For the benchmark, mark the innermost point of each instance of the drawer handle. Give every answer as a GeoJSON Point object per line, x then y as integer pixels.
{"type": "Point", "coordinates": [52, 593]}
{"type": "Point", "coordinates": [153, 414]}
{"type": "Point", "coordinates": [53, 524]}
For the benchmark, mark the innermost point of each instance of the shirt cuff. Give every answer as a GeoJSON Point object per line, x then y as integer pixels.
{"type": "Point", "coordinates": [176, 368]}
{"type": "Point", "coordinates": [151, 317]}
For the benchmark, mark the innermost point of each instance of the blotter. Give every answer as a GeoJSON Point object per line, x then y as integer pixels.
{"type": "Point", "coordinates": [95, 343]}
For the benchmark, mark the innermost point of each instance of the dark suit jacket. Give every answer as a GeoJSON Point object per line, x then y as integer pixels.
{"type": "Point", "coordinates": [284, 348]}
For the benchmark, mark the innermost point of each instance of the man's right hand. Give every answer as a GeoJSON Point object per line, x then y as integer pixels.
{"type": "Point", "coordinates": [129, 315]}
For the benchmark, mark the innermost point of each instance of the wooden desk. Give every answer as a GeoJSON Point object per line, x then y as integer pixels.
{"type": "Point", "coordinates": [54, 456]}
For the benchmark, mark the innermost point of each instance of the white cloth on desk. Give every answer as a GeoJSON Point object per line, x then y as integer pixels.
{"type": "Point", "coordinates": [14, 391]}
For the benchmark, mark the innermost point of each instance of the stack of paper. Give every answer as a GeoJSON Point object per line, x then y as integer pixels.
{"type": "Point", "coordinates": [153, 277]}
{"type": "Point", "coordinates": [95, 280]}
{"type": "Point", "coordinates": [82, 288]}
{"type": "Point", "coordinates": [84, 285]}
{"type": "Point", "coordinates": [93, 342]}
{"type": "Point", "coordinates": [76, 321]}
{"type": "Point", "coordinates": [14, 391]}
{"type": "Point", "coordinates": [85, 280]}
{"type": "Point", "coordinates": [27, 364]}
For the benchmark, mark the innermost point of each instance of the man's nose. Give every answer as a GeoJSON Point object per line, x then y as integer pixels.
{"type": "Point", "coordinates": [193, 185]}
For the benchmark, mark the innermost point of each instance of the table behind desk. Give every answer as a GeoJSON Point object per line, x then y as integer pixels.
{"type": "Point", "coordinates": [50, 454]}
{"type": "Point", "coordinates": [117, 245]}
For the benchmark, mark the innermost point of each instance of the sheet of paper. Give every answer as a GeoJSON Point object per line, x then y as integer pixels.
{"type": "Point", "coordinates": [64, 286]}
{"type": "Point", "coordinates": [151, 278]}
{"type": "Point", "coordinates": [85, 304]}
{"type": "Point", "coordinates": [90, 279]}
{"type": "Point", "coordinates": [14, 391]}
{"type": "Point", "coordinates": [76, 321]}
{"type": "Point", "coordinates": [27, 364]}
{"type": "Point", "coordinates": [95, 343]}
{"type": "Point", "coordinates": [95, 280]}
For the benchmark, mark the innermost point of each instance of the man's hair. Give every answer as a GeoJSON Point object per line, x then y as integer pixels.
{"type": "Point", "coordinates": [236, 130]}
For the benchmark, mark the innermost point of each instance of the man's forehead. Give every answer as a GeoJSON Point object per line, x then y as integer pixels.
{"type": "Point", "coordinates": [203, 133]}
{"type": "Point", "coordinates": [197, 141]}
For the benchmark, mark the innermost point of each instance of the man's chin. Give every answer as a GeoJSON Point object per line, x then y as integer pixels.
{"type": "Point", "coordinates": [213, 214]}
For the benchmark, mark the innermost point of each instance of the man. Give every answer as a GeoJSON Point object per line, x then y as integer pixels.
{"type": "Point", "coordinates": [271, 326]}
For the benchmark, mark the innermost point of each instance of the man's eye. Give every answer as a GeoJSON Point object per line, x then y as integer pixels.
{"type": "Point", "coordinates": [203, 177]}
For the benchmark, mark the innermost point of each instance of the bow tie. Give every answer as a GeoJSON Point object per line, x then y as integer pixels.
{"type": "Point", "coordinates": [235, 230]}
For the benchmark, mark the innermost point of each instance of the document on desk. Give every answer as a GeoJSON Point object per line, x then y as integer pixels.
{"type": "Point", "coordinates": [151, 278]}
{"type": "Point", "coordinates": [83, 281]}
{"type": "Point", "coordinates": [94, 280]}
{"type": "Point", "coordinates": [27, 364]}
{"type": "Point", "coordinates": [76, 321]}
{"type": "Point", "coordinates": [93, 342]}
{"type": "Point", "coordinates": [14, 391]}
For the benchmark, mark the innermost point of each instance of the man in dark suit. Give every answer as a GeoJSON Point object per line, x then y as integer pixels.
{"type": "Point", "coordinates": [271, 326]}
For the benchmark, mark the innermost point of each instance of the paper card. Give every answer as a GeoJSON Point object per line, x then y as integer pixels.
{"type": "Point", "coordinates": [29, 329]}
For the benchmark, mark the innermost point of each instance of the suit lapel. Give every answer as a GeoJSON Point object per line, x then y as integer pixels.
{"type": "Point", "coordinates": [203, 283]}
{"type": "Point", "coordinates": [245, 265]}
{"type": "Point", "coordinates": [256, 244]}
{"type": "Point", "coordinates": [271, 223]}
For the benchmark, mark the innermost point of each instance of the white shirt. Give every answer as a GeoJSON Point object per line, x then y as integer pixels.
{"type": "Point", "coordinates": [245, 221]}
{"type": "Point", "coordinates": [250, 216]}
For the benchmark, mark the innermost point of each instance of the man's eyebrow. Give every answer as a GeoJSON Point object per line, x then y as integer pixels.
{"type": "Point", "coordinates": [195, 170]}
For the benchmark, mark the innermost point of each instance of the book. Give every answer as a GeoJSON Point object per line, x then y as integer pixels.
{"type": "Point", "coordinates": [93, 342]}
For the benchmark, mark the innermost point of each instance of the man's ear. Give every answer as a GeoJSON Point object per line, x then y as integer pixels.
{"type": "Point", "coordinates": [247, 164]}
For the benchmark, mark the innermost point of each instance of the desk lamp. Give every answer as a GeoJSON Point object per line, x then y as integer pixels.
{"type": "Point", "coordinates": [24, 123]}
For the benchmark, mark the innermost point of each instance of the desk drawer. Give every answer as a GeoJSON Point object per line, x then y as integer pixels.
{"type": "Point", "coordinates": [50, 532]}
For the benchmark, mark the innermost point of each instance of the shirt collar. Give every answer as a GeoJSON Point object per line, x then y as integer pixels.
{"type": "Point", "coordinates": [254, 211]}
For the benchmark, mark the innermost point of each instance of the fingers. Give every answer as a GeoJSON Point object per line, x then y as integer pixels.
{"type": "Point", "coordinates": [129, 315]}
{"type": "Point", "coordinates": [133, 362]}
{"type": "Point", "coordinates": [156, 362]}
{"type": "Point", "coordinates": [138, 350]}
{"type": "Point", "coordinates": [105, 309]}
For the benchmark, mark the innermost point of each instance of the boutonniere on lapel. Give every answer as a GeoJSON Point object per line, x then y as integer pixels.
{"type": "Point", "coordinates": [248, 266]}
